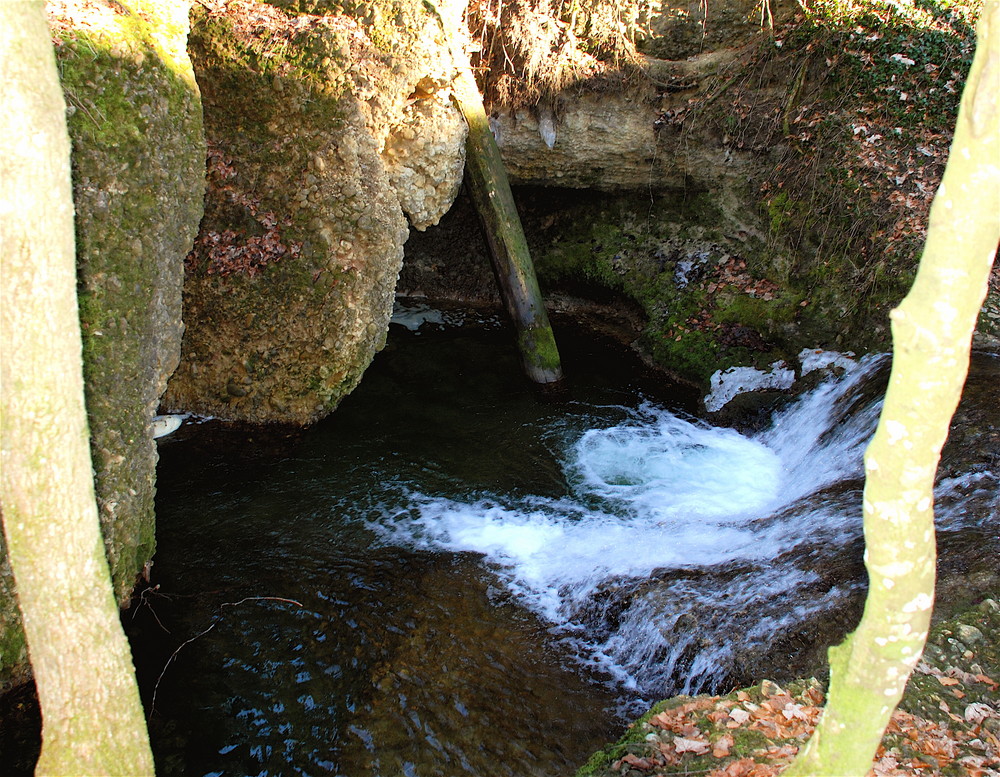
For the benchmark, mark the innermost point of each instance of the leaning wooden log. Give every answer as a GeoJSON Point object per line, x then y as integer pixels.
{"type": "Point", "coordinates": [487, 182]}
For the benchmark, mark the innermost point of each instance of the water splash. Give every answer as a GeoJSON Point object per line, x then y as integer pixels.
{"type": "Point", "coordinates": [678, 548]}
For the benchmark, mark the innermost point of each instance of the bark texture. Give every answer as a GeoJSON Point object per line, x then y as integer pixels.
{"type": "Point", "coordinates": [92, 716]}
{"type": "Point", "coordinates": [932, 330]}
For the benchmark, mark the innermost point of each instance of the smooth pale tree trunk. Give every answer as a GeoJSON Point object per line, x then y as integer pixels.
{"type": "Point", "coordinates": [489, 187]}
{"type": "Point", "coordinates": [92, 716]}
{"type": "Point", "coordinates": [932, 331]}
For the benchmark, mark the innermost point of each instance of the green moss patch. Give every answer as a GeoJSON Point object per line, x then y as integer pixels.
{"type": "Point", "coordinates": [138, 159]}
{"type": "Point", "coordinates": [710, 299]}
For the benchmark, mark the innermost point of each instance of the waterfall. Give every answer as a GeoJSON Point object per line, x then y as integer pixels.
{"type": "Point", "coordinates": [680, 550]}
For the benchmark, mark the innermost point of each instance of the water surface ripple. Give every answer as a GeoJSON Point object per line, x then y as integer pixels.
{"type": "Point", "coordinates": [453, 576]}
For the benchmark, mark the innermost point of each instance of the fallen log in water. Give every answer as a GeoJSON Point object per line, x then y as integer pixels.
{"type": "Point", "coordinates": [487, 181]}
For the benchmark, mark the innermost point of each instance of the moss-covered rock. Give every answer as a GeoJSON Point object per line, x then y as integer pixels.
{"type": "Point", "coordinates": [311, 120]}
{"type": "Point", "coordinates": [946, 722]}
{"type": "Point", "coordinates": [134, 117]}
{"type": "Point", "coordinates": [711, 293]}
{"type": "Point", "coordinates": [696, 266]}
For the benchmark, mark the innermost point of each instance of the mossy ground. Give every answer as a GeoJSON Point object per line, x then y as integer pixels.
{"type": "Point", "coordinates": [854, 105]}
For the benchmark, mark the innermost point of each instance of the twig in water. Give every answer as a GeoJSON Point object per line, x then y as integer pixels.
{"type": "Point", "coordinates": [156, 688]}
{"type": "Point", "coordinates": [144, 601]}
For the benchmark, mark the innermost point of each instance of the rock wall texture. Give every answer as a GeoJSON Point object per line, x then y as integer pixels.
{"type": "Point", "coordinates": [738, 195]}
{"type": "Point", "coordinates": [138, 177]}
{"type": "Point", "coordinates": [324, 134]}
{"type": "Point", "coordinates": [622, 141]}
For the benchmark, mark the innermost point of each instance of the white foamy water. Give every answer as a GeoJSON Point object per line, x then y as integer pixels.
{"type": "Point", "coordinates": [678, 544]}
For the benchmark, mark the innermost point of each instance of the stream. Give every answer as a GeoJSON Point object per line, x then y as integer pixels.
{"type": "Point", "coordinates": [455, 575]}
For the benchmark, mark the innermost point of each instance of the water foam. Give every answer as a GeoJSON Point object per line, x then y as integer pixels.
{"type": "Point", "coordinates": [673, 535]}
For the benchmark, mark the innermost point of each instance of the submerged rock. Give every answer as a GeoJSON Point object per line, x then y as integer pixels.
{"type": "Point", "coordinates": [740, 380]}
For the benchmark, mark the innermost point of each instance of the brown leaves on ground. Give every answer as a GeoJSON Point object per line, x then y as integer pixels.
{"type": "Point", "coordinates": [733, 272]}
{"type": "Point", "coordinates": [724, 279]}
{"type": "Point", "coordinates": [758, 733]}
{"type": "Point", "coordinates": [705, 727]}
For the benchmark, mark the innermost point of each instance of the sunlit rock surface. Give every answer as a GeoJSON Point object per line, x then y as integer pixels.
{"type": "Point", "coordinates": [425, 155]}
{"type": "Point", "coordinates": [615, 142]}
{"type": "Point", "coordinates": [322, 132]}
{"type": "Point", "coordinates": [605, 142]}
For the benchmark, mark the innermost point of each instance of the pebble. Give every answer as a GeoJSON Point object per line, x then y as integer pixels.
{"type": "Point", "coordinates": [970, 635]}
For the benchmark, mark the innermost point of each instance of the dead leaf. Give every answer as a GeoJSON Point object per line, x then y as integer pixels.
{"type": "Point", "coordinates": [947, 681]}
{"type": "Point", "coordinates": [815, 695]}
{"type": "Point", "coordinates": [662, 720]}
{"type": "Point", "coordinates": [978, 712]}
{"type": "Point", "coordinates": [636, 761]}
{"type": "Point", "coordinates": [885, 765]}
{"type": "Point", "coordinates": [785, 751]}
{"type": "Point", "coordinates": [990, 682]}
{"type": "Point", "coordinates": [721, 746]}
{"type": "Point", "coordinates": [767, 727]}
{"type": "Point", "coordinates": [793, 710]}
{"type": "Point", "coordinates": [943, 706]}
{"type": "Point", "coordinates": [696, 746]}
{"type": "Point", "coordinates": [739, 715]}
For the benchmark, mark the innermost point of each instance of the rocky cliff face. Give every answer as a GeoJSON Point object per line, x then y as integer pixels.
{"type": "Point", "coordinates": [324, 135]}
{"type": "Point", "coordinates": [743, 197]}
{"type": "Point", "coordinates": [138, 176]}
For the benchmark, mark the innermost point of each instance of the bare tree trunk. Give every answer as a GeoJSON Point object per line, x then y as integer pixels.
{"type": "Point", "coordinates": [932, 331]}
{"type": "Point", "coordinates": [487, 180]}
{"type": "Point", "coordinates": [92, 716]}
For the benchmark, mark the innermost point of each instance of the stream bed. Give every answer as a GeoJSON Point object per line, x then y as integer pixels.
{"type": "Point", "coordinates": [352, 651]}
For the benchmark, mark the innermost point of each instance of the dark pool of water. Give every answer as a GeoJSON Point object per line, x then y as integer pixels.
{"type": "Point", "coordinates": [285, 632]}
{"type": "Point", "coordinates": [329, 653]}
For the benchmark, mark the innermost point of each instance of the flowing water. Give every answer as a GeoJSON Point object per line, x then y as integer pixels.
{"type": "Point", "coordinates": [453, 575]}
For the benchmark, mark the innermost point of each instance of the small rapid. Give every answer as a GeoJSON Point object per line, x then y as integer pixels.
{"type": "Point", "coordinates": [678, 547]}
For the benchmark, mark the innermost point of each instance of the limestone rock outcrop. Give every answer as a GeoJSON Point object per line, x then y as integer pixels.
{"type": "Point", "coordinates": [425, 156]}
{"type": "Point", "coordinates": [605, 142]}
{"type": "Point", "coordinates": [322, 132]}
{"type": "Point", "coordinates": [134, 115]}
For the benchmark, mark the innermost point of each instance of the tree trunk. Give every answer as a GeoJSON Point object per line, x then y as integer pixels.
{"type": "Point", "coordinates": [932, 330]}
{"type": "Point", "coordinates": [92, 717]}
{"type": "Point", "coordinates": [487, 181]}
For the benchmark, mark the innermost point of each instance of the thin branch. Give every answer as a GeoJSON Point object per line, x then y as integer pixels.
{"type": "Point", "coordinates": [218, 618]}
